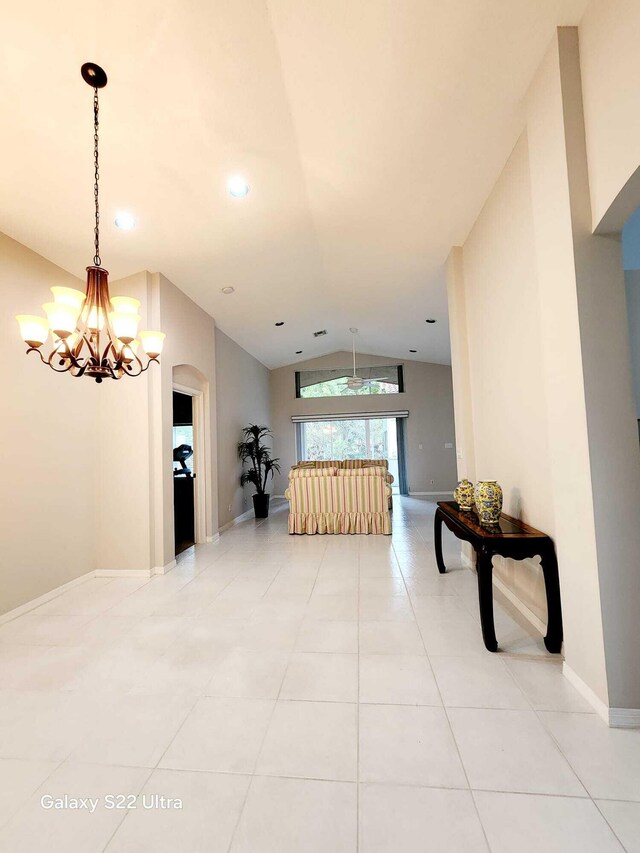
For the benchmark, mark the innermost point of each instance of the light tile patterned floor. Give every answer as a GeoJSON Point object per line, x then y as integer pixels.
{"type": "Point", "coordinates": [303, 695]}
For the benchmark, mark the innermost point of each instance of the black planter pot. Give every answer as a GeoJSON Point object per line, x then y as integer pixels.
{"type": "Point", "coordinates": [261, 505]}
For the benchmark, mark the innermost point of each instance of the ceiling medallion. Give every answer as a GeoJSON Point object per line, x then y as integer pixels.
{"type": "Point", "coordinates": [93, 335]}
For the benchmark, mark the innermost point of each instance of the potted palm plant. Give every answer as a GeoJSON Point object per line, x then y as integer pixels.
{"type": "Point", "coordinates": [254, 451]}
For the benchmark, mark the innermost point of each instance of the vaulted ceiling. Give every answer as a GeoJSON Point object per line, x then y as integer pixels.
{"type": "Point", "coordinates": [370, 132]}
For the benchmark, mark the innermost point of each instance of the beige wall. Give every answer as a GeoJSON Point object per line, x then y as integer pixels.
{"type": "Point", "coordinates": [190, 356]}
{"type": "Point", "coordinates": [47, 439]}
{"type": "Point", "coordinates": [428, 397]}
{"type": "Point", "coordinates": [553, 295]}
{"type": "Point", "coordinates": [123, 496]}
{"type": "Point", "coordinates": [243, 398]}
{"type": "Point", "coordinates": [508, 396]}
{"type": "Point", "coordinates": [610, 63]}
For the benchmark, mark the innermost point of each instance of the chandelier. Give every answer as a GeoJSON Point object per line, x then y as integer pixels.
{"type": "Point", "coordinates": [92, 334]}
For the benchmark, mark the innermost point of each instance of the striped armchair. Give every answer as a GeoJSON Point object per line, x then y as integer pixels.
{"type": "Point", "coordinates": [327, 501]}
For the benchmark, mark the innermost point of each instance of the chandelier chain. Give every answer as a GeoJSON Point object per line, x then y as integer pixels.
{"type": "Point", "coordinates": [96, 173]}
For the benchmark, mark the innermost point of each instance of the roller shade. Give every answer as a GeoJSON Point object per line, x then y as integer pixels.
{"type": "Point", "coordinates": [351, 416]}
{"type": "Point", "coordinates": [323, 374]}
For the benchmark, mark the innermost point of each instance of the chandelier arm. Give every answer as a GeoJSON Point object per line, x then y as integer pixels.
{"type": "Point", "coordinates": [67, 364]}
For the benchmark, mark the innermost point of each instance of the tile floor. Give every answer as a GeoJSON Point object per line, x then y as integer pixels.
{"type": "Point", "coordinates": [310, 694]}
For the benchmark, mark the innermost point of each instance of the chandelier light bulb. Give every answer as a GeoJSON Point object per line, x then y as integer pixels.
{"type": "Point", "coordinates": [34, 330]}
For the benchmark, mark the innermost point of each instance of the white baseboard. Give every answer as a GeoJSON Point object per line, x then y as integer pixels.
{"type": "Point", "coordinates": [10, 615]}
{"type": "Point", "coordinates": [237, 520]}
{"type": "Point", "coordinates": [214, 538]}
{"type": "Point", "coordinates": [528, 614]}
{"type": "Point", "coordinates": [162, 570]}
{"type": "Point", "coordinates": [586, 692]}
{"type": "Point", "coordinates": [123, 573]}
{"type": "Point", "coordinates": [615, 718]}
{"type": "Point", "coordinates": [429, 494]}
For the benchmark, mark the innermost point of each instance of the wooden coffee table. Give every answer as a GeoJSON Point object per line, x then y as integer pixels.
{"type": "Point", "coordinates": [509, 538]}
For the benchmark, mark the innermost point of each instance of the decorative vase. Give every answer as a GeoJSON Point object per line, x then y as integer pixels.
{"type": "Point", "coordinates": [261, 506]}
{"type": "Point", "coordinates": [488, 498]}
{"type": "Point", "coordinates": [463, 495]}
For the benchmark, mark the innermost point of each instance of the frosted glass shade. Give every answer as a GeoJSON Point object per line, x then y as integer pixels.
{"type": "Point", "coordinates": [70, 341]}
{"type": "Point", "coordinates": [124, 325]}
{"type": "Point", "coordinates": [34, 330]}
{"type": "Point", "coordinates": [95, 321]}
{"type": "Point", "coordinates": [128, 351]}
{"type": "Point", "coordinates": [68, 296]}
{"type": "Point", "coordinates": [125, 304]}
{"type": "Point", "coordinates": [152, 343]}
{"type": "Point", "coordinates": [62, 318]}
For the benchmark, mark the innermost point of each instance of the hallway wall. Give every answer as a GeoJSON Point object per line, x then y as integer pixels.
{"type": "Point", "coordinates": [508, 396]}
{"type": "Point", "coordinates": [553, 294]}
{"type": "Point", "coordinates": [46, 435]}
{"type": "Point", "coordinates": [243, 398]}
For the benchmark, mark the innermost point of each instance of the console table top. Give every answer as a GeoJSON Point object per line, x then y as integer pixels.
{"type": "Point", "coordinates": [507, 527]}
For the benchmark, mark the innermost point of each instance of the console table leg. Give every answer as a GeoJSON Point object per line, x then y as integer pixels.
{"type": "Point", "coordinates": [484, 568]}
{"type": "Point", "coordinates": [437, 539]}
{"type": "Point", "coordinates": [553, 640]}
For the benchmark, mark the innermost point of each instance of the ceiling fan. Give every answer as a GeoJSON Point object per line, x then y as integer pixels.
{"type": "Point", "coordinates": [355, 382]}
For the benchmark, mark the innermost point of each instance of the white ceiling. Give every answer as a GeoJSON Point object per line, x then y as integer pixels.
{"type": "Point", "coordinates": [370, 131]}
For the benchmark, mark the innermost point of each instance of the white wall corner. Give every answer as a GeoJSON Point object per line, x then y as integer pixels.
{"type": "Point", "coordinates": [162, 570]}
{"type": "Point", "coordinates": [616, 718]}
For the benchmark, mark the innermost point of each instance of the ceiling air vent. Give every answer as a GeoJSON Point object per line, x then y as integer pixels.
{"type": "Point", "coordinates": [320, 333]}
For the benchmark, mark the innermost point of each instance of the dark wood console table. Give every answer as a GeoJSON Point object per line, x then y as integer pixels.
{"type": "Point", "coordinates": [509, 538]}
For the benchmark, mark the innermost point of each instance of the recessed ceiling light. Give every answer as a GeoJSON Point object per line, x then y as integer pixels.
{"type": "Point", "coordinates": [413, 350]}
{"type": "Point", "coordinates": [298, 352]}
{"type": "Point", "coordinates": [125, 221]}
{"type": "Point", "coordinates": [430, 320]}
{"type": "Point", "coordinates": [237, 186]}
{"type": "Point", "coordinates": [228, 289]}
{"type": "Point", "coordinates": [280, 323]}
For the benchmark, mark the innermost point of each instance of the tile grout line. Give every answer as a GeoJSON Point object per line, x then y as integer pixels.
{"type": "Point", "coordinates": [453, 737]}
{"type": "Point", "coordinates": [266, 730]}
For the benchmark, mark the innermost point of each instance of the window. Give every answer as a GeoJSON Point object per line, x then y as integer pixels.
{"type": "Point", "coordinates": [383, 379]}
{"type": "Point", "coordinates": [361, 438]}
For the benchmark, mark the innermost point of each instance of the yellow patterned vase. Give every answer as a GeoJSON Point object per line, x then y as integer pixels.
{"type": "Point", "coordinates": [488, 497]}
{"type": "Point", "coordinates": [463, 495]}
